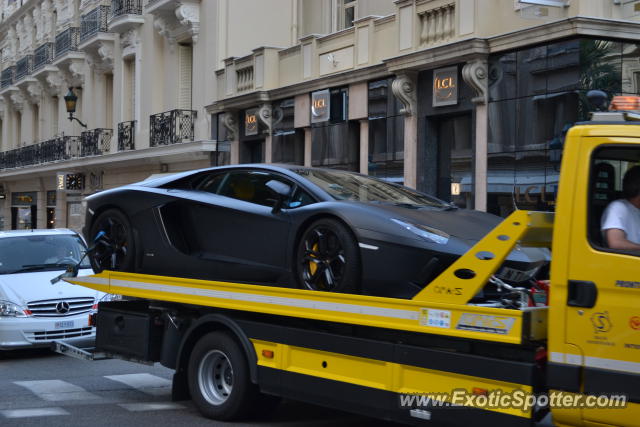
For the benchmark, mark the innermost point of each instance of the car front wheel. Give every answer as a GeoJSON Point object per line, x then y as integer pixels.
{"type": "Point", "coordinates": [328, 258]}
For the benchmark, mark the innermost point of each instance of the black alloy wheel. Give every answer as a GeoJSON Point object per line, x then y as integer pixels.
{"type": "Point", "coordinates": [114, 250]}
{"type": "Point", "coordinates": [328, 258]}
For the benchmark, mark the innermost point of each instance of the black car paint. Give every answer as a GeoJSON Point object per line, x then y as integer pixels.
{"type": "Point", "coordinates": [184, 232]}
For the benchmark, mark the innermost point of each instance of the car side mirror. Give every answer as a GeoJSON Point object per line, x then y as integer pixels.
{"type": "Point", "coordinates": [282, 190]}
{"type": "Point", "coordinates": [72, 271]}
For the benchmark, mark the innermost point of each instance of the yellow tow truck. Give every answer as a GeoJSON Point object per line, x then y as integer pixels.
{"type": "Point", "coordinates": [436, 359]}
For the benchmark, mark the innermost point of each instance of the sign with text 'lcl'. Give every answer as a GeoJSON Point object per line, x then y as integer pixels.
{"type": "Point", "coordinates": [320, 106]}
{"type": "Point", "coordinates": [251, 122]}
{"type": "Point", "coordinates": [445, 86]}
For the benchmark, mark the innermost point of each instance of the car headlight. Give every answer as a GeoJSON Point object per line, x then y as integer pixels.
{"type": "Point", "coordinates": [428, 233]}
{"type": "Point", "coordinates": [10, 309]}
{"type": "Point", "coordinates": [107, 298]}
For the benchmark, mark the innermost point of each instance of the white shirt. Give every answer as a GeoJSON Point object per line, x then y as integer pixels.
{"type": "Point", "coordinates": [621, 214]}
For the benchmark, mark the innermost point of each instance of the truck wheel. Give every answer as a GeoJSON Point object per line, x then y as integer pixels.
{"type": "Point", "coordinates": [219, 380]}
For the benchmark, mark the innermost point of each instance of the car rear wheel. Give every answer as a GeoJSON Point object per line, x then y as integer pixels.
{"type": "Point", "coordinates": [114, 249]}
{"type": "Point", "coordinates": [328, 258]}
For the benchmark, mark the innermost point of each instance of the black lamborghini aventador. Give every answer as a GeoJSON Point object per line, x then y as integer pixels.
{"type": "Point", "coordinates": [288, 225]}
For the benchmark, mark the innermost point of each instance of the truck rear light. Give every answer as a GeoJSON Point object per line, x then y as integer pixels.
{"type": "Point", "coordinates": [267, 353]}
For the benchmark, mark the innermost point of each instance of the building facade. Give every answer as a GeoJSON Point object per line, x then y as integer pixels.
{"type": "Point", "coordinates": [468, 100]}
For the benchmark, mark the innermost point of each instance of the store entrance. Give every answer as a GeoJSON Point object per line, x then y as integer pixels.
{"type": "Point", "coordinates": [455, 159]}
{"type": "Point", "coordinates": [252, 151]}
{"type": "Point", "coordinates": [23, 217]}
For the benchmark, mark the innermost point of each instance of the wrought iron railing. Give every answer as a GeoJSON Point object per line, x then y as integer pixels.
{"type": "Point", "coordinates": [42, 56]}
{"type": "Point", "coordinates": [94, 22]}
{"type": "Point", "coordinates": [127, 136]}
{"type": "Point", "coordinates": [24, 67]}
{"type": "Point", "coordinates": [95, 142]}
{"type": "Point", "coordinates": [53, 150]}
{"type": "Point", "coordinates": [67, 41]}
{"type": "Point", "coordinates": [125, 7]}
{"type": "Point", "coordinates": [6, 77]}
{"type": "Point", "coordinates": [172, 127]}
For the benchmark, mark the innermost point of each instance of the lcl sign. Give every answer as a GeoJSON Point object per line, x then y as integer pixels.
{"type": "Point", "coordinates": [320, 106]}
{"type": "Point", "coordinates": [251, 122]}
{"type": "Point", "coordinates": [445, 86]}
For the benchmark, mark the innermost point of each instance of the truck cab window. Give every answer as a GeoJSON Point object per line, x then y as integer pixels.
{"type": "Point", "coordinates": [614, 217]}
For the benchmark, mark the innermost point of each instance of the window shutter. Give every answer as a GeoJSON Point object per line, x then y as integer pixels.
{"type": "Point", "coordinates": [185, 57]}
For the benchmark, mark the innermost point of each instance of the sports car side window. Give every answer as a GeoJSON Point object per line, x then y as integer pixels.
{"type": "Point", "coordinates": [211, 183]}
{"type": "Point", "coordinates": [250, 187]}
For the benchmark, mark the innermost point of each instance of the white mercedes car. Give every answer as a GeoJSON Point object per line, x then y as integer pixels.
{"type": "Point", "coordinates": [34, 312]}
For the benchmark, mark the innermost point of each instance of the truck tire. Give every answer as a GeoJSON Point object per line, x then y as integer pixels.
{"type": "Point", "coordinates": [219, 379]}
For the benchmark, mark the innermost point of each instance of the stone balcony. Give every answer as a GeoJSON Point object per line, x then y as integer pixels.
{"type": "Point", "coordinates": [125, 15]}
{"type": "Point", "coordinates": [95, 38]}
{"type": "Point", "coordinates": [178, 21]}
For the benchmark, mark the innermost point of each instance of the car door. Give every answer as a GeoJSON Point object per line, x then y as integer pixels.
{"type": "Point", "coordinates": [238, 230]}
{"type": "Point", "coordinates": [602, 308]}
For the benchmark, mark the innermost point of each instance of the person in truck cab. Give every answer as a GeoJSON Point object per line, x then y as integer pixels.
{"type": "Point", "coordinates": [621, 219]}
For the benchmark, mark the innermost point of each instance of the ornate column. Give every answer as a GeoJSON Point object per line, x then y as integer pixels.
{"type": "Point", "coordinates": [404, 87]}
{"type": "Point", "coordinates": [4, 114]}
{"type": "Point", "coordinates": [265, 116]}
{"type": "Point", "coordinates": [269, 117]}
{"type": "Point", "coordinates": [231, 124]}
{"type": "Point", "coordinates": [34, 94]}
{"type": "Point", "coordinates": [475, 74]}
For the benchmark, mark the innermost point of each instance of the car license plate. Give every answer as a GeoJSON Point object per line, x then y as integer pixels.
{"type": "Point", "coordinates": [67, 324]}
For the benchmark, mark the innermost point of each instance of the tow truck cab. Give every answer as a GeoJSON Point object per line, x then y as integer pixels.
{"type": "Point", "coordinates": [594, 314]}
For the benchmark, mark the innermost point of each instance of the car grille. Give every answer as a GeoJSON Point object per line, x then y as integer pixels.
{"type": "Point", "coordinates": [60, 334]}
{"type": "Point", "coordinates": [60, 307]}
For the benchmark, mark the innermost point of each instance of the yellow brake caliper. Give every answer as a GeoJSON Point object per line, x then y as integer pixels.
{"type": "Point", "coordinates": [312, 265]}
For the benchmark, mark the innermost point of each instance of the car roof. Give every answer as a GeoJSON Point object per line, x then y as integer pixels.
{"type": "Point", "coordinates": [278, 167]}
{"type": "Point", "coordinates": [37, 232]}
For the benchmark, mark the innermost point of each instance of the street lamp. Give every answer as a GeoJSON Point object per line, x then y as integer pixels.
{"type": "Point", "coordinates": [70, 100]}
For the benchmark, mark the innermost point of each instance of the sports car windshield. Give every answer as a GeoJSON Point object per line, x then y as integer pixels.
{"type": "Point", "coordinates": [22, 254]}
{"type": "Point", "coordinates": [349, 186]}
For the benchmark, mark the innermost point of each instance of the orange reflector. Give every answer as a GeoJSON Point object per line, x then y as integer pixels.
{"type": "Point", "coordinates": [480, 391]}
{"type": "Point", "coordinates": [268, 354]}
{"type": "Point", "coordinates": [625, 103]}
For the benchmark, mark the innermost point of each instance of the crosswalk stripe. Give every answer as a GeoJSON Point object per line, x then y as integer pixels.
{"type": "Point", "coordinates": [56, 390]}
{"type": "Point", "coordinates": [146, 383]}
{"type": "Point", "coordinates": [139, 407]}
{"type": "Point", "coordinates": [33, 412]}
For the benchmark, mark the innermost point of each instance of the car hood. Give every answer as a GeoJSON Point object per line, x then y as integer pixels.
{"type": "Point", "coordinates": [462, 223]}
{"type": "Point", "coordinates": [21, 288]}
